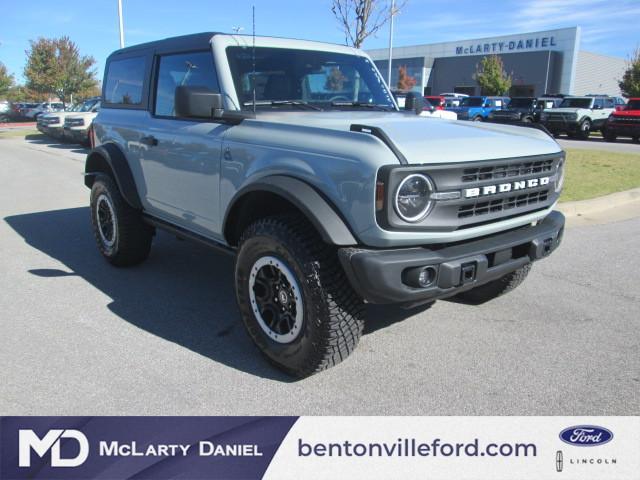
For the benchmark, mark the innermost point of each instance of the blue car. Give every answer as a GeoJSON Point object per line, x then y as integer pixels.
{"type": "Point", "coordinates": [478, 109]}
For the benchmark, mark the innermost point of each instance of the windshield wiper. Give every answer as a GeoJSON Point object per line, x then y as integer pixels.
{"type": "Point", "coordinates": [385, 108]}
{"type": "Point", "coordinates": [296, 103]}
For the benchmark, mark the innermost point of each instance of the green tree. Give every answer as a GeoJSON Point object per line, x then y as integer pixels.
{"type": "Point", "coordinates": [491, 76]}
{"type": "Point", "coordinates": [630, 82]}
{"type": "Point", "coordinates": [6, 81]}
{"type": "Point", "coordinates": [56, 67]}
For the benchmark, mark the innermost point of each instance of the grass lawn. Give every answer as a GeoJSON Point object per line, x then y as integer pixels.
{"type": "Point", "coordinates": [18, 132]}
{"type": "Point", "coordinates": [593, 173]}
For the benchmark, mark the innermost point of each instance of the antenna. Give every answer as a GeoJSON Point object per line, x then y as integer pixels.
{"type": "Point", "coordinates": [253, 59]}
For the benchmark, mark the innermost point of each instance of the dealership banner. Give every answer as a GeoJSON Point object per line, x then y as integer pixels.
{"type": "Point", "coordinates": [458, 448]}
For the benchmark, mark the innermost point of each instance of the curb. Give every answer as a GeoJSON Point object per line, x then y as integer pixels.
{"type": "Point", "coordinates": [600, 204]}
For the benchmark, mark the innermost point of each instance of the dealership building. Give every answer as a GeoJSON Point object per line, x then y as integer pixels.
{"type": "Point", "coordinates": [539, 62]}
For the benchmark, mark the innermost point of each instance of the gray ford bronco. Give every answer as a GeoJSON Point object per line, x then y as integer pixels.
{"type": "Point", "coordinates": [293, 156]}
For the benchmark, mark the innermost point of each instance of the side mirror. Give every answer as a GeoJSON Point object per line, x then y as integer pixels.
{"type": "Point", "coordinates": [197, 102]}
{"type": "Point", "coordinates": [414, 102]}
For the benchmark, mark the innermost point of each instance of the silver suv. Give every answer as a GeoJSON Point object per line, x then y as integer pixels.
{"type": "Point", "coordinates": [578, 116]}
{"type": "Point", "coordinates": [294, 157]}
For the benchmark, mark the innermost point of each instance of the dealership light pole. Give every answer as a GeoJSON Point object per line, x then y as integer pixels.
{"type": "Point", "coordinates": [393, 7]}
{"type": "Point", "coordinates": [120, 21]}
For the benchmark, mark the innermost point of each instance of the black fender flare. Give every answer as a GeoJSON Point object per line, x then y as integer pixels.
{"type": "Point", "coordinates": [319, 211]}
{"type": "Point", "coordinates": [109, 157]}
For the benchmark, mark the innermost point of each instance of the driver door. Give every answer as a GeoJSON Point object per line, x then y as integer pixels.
{"type": "Point", "coordinates": [180, 158]}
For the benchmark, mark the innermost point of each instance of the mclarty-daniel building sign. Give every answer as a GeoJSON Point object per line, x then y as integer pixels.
{"type": "Point", "coordinates": [543, 61]}
{"type": "Point", "coordinates": [507, 46]}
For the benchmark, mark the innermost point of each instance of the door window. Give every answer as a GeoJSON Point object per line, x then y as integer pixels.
{"type": "Point", "coordinates": [125, 80]}
{"type": "Point", "coordinates": [192, 69]}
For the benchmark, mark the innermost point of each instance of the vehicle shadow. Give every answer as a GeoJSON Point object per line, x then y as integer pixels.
{"type": "Point", "coordinates": [183, 293]}
{"type": "Point", "coordinates": [42, 139]}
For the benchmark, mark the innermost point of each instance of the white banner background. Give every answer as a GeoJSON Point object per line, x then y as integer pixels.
{"type": "Point", "coordinates": [542, 431]}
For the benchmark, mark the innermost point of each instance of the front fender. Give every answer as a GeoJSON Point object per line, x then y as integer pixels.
{"type": "Point", "coordinates": [318, 210]}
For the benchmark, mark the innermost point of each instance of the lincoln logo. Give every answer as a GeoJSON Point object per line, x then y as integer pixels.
{"type": "Point", "coordinates": [505, 187]}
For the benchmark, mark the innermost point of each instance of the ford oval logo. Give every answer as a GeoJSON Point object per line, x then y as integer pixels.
{"type": "Point", "coordinates": [586, 435]}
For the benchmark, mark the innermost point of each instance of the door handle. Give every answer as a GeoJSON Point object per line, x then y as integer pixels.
{"type": "Point", "coordinates": [149, 140]}
{"type": "Point", "coordinates": [227, 154]}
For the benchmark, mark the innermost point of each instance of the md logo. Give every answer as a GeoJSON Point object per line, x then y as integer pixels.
{"type": "Point", "coordinates": [28, 440]}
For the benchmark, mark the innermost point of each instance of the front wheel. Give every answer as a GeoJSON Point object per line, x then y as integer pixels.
{"type": "Point", "coordinates": [494, 289]}
{"type": "Point", "coordinates": [296, 302]}
{"type": "Point", "coordinates": [584, 129]}
{"type": "Point", "coordinates": [477, 119]}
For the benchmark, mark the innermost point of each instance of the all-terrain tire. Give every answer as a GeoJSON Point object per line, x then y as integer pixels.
{"type": "Point", "coordinates": [128, 240]}
{"type": "Point", "coordinates": [333, 314]}
{"type": "Point", "coordinates": [494, 289]}
{"type": "Point", "coordinates": [584, 129]}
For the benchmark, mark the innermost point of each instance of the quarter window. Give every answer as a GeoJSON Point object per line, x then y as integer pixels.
{"type": "Point", "coordinates": [192, 69]}
{"type": "Point", "coordinates": [125, 80]}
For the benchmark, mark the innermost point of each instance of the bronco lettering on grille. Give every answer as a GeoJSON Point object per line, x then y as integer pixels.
{"type": "Point", "coordinates": [505, 187]}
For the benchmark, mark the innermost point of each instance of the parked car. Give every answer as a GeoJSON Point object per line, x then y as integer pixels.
{"type": "Point", "coordinates": [578, 116]}
{"type": "Point", "coordinates": [77, 125]}
{"type": "Point", "coordinates": [5, 110]}
{"type": "Point", "coordinates": [428, 110]}
{"type": "Point", "coordinates": [26, 108]}
{"type": "Point", "coordinates": [437, 101]}
{"type": "Point", "coordinates": [524, 109]}
{"type": "Point", "coordinates": [44, 107]}
{"type": "Point", "coordinates": [478, 109]}
{"type": "Point", "coordinates": [52, 124]}
{"type": "Point", "coordinates": [454, 95]}
{"type": "Point", "coordinates": [624, 123]}
{"type": "Point", "coordinates": [326, 200]}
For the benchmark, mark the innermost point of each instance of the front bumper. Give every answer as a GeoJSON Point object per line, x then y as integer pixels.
{"type": "Point", "coordinates": [560, 125]}
{"type": "Point", "coordinates": [383, 276]}
{"type": "Point", "coordinates": [624, 129]}
{"type": "Point", "coordinates": [76, 135]}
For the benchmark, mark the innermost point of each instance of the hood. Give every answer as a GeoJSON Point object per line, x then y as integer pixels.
{"type": "Point", "coordinates": [84, 115]}
{"type": "Point", "coordinates": [428, 139]}
{"type": "Point", "coordinates": [564, 110]}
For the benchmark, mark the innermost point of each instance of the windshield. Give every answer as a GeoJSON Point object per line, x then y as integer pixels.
{"type": "Point", "coordinates": [472, 102]}
{"type": "Point", "coordinates": [521, 102]}
{"type": "Point", "coordinates": [633, 105]}
{"type": "Point", "coordinates": [314, 77]}
{"type": "Point", "coordinates": [86, 106]}
{"type": "Point", "coordinates": [576, 103]}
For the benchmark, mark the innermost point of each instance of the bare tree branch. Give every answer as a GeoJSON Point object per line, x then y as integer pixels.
{"type": "Point", "coordinates": [360, 19]}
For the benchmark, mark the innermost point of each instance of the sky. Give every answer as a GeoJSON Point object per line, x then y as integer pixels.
{"type": "Point", "coordinates": [609, 27]}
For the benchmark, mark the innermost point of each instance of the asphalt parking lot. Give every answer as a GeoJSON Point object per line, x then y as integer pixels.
{"type": "Point", "coordinates": [80, 337]}
{"type": "Point", "coordinates": [622, 145]}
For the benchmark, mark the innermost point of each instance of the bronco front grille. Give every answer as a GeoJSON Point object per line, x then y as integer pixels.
{"type": "Point", "coordinates": [506, 171]}
{"type": "Point", "coordinates": [502, 204]}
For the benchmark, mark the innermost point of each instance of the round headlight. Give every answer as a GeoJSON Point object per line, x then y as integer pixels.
{"type": "Point", "coordinates": [413, 197]}
{"type": "Point", "coordinates": [560, 175]}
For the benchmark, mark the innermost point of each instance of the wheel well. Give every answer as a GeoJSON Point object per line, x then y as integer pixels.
{"type": "Point", "coordinates": [96, 163]}
{"type": "Point", "coordinates": [251, 207]}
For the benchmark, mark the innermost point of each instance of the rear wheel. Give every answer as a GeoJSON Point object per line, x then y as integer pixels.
{"type": "Point", "coordinates": [296, 302]}
{"type": "Point", "coordinates": [477, 118]}
{"type": "Point", "coordinates": [122, 237]}
{"type": "Point", "coordinates": [494, 289]}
